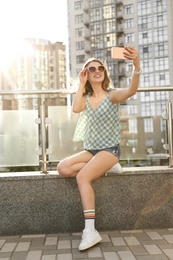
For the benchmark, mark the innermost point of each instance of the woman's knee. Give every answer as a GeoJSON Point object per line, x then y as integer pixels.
{"type": "Point", "coordinates": [62, 168]}
{"type": "Point", "coordinates": [82, 179]}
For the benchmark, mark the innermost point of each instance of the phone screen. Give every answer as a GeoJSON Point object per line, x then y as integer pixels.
{"type": "Point", "coordinates": [117, 53]}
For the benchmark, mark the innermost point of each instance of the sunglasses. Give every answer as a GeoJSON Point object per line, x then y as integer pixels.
{"type": "Point", "coordinates": [93, 69]}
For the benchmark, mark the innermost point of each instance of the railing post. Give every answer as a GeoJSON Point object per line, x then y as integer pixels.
{"type": "Point", "coordinates": [170, 133]}
{"type": "Point", "coordinates": [43, 135]}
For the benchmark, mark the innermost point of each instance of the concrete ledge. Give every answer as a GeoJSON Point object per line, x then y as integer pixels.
{"type": "Point", "coordinates": [139, 198]}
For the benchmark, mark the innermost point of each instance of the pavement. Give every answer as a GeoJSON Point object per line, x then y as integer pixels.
{"type": "Point", "coordinates": [116, 245]}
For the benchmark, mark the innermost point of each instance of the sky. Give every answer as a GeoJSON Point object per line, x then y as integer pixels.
{"type": "Point", "coordinates": [45, 19]}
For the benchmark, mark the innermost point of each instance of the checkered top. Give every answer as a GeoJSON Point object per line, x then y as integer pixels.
{"type": "Point", "coordinates": [98, 128]}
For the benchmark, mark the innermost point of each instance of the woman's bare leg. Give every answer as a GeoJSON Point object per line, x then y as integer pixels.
{"type": "Point", "coordinates": [91, 171]}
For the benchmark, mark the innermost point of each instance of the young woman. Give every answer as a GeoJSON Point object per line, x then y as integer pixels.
{"type": "Point", "coordinates": [101, 136]}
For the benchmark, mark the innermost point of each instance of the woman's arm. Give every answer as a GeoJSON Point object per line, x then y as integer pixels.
{"type": "Point", "coordinates": [79, 100]}
{"type": "Point", "coordinates": [119, 95]}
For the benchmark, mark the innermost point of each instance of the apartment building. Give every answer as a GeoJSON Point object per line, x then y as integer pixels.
{"type": "Point", "coordinates": [34, 64]}
{"type": "Point", "coordinates": [95, 26]}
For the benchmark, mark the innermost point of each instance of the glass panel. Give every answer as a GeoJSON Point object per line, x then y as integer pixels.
{"type": "Point", "coordinates": [60, 132]}
{"type": "Point", "coordinates": [143, 131]}
{"type": "Point", "coordinates": [18, 138]}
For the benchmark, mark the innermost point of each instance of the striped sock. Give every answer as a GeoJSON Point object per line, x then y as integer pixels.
{"type": "Point", "coordinates": [89, 219]}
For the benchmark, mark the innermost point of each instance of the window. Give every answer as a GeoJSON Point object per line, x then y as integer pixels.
{"type": "Point", "coordinates": [129, 66]}
{"type": "Point", "coordinates": [161, 95]}
{"type": "Point", "coordinates": [161, 49]}
{"type": "Point", "coordinates": [145, 37]}
{"type": "Point", "coordinates": [162, 78]}
{"type": "Point", "coordinates": [159, 5]}
{"type": "Point", "coordinates": [129, 38]}
{"type": "Point", "coordinates": [98, 54]}
{"type": "Point", "coordinates": [129, 23]}
{"type": "Point", "coordinates": [80, 46]}
{"type": "Point", "coordinates": [110, 26]}
{"type": "Point", "coordinates": [109, 11]}
{"type": "Point", "coordinates": [159, 20]}
{"type": "Point", "coordinates": [97, 42]}
{"type": "Point", "coordinates": [79, 18]}
{"type": "Point", "coordinates": [144, 22]}
{"type": "Point", "coordinates": [160, 34]}
{"type": "Point", "coordinates": [144, 7]}
{"type": "Point", "coordinates": [147, 96]}
{"type": "Point", "coordinates": [147, 65]}
{"type": "Point", "coordinates": [96, 14]}
{"type": "Point", "coordinates": [161, 64]}
{"type": "Point", "coordinates": [79, 32]}
{"type": "Point", "coordinates": [147, 80]}
{"type": "Point", "coordinates": [110, 40]}
{"type": "Point", "coordinates": [78, 5]}
{"type": "Point", "coordinates": [128, 9]}
{"type": "Point", "coordinates": [132, 109]}
{"type": "Point", "coordinates": [148, 125]}
{"type": "Point", "coordinates": [105, 2]}
{"type": "Point", "coordinates": [146, 51]}
{"type": "Point", "coordinates": [133, 126]}
{"type": "Point", "coordinates": [96, 28]}
{"type": "Point", "coordinates": [148, 109]}
{"type": "Point", "coordinates": [80, 59]}
{"type": "Point", "coordinates": [94, 3]}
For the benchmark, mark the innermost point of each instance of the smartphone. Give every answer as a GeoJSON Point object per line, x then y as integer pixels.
{"type": "Point", "coordinates": [117, 53]}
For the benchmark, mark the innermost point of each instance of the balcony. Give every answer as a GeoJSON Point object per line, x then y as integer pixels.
{"type": "Point", "coordinates": [35, 137]}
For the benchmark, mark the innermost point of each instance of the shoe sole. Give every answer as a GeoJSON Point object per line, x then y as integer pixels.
{"type": "Point", "coordinates": [91, 244]}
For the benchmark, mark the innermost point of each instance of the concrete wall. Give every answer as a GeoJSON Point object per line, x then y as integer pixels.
{"type": "Point", "coordinates": [36, 203]}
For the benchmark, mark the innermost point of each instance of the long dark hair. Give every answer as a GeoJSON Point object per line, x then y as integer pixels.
{"type": "Point", "coordinates": [106, 82]}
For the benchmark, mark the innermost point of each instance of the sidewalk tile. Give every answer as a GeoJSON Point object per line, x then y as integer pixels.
{"type": "Point", "coordinates": [126, 255]}
{"type": "Point", "coordinates": [8, 247]}
{"type": "Point", "coordinates": [34, 255]}
{"type": "Point", "coordinates": [153, 250]}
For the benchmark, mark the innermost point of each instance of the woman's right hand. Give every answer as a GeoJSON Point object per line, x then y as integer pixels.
{"type": "Point", "coordinates": [83, 76]}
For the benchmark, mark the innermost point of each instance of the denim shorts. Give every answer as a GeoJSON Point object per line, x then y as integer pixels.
{"type": "Point", "coordinates": [115, 150]}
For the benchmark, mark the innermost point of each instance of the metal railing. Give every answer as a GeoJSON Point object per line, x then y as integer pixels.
{"type": "Point", "coordinates": [43, 121]}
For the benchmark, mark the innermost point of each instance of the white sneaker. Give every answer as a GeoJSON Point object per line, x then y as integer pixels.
{"type": "Point", "coordinates": [89, 239]}
{"type": "Point", "coordinates": [116, 169]}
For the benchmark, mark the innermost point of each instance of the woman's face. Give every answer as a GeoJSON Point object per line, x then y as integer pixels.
{"type": "Point", "coordinates": [96, 72]}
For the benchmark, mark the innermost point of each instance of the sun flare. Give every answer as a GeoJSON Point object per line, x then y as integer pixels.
{"type": "Point", "coordinates": [10, 52]}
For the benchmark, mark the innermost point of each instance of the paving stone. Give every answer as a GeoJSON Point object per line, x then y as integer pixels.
{"type": "Point", "coordinates": [153, 250]}
{"type": "Point", "coordinates": [2, 242]}
{"type": "Point", "coordinates": [169, 253]}
{"type": "Point", "coordinates": [126, 255]}
{"type": "Point", "coordinates": [111, 256]}
{"type": "Point", "coordinates": [34, 255]}
{"type": "Point", "coordinates": [118, 241]}
{"type": "Point", "coordinates": [138, 250]}
{"type": "Point", "coordinates": [94, 252]}
{"type": "Point", "coordinates": [65, 257]}
{"type": "Point", "coordinates": [64, 244]}
{"type": "Point", "coordinates": [168, 238]}
{"type": "Point", "coordinates": [154, 235]}
{"type": "Point", "coordinates": [18, 256]}
{"type": "Point", "coordinates": [49, 257]}
{"type": "Point", "coordinates": [132, 241]}
{"type": "Point", "coordinates": [156, 257]}
{"type": "Point", "coordinates": [8, 247]}
{"type": "Point", "coordinates": [51, 241]}
{"type": "Point", "coordinates": [22, 246]}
